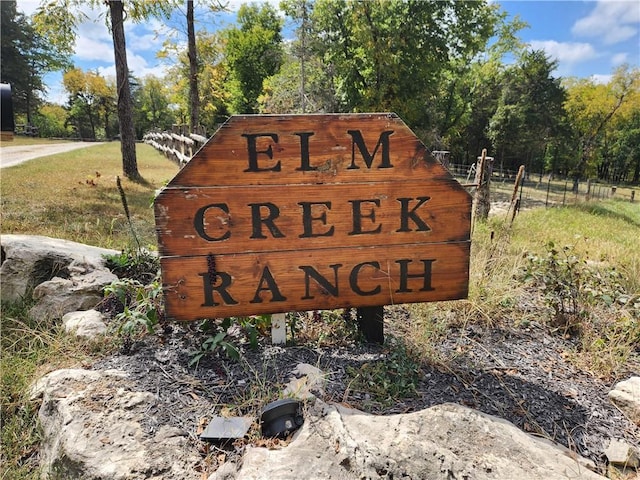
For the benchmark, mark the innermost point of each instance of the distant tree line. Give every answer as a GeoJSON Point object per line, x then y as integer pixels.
{"type": "Point", "coordinates": [455, 72]}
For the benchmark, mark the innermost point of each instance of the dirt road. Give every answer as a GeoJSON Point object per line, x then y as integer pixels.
{"type": "Point", "coordinates": [14, 155]}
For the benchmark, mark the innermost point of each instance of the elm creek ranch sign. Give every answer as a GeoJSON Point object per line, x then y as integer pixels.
{"type": "Point", "coordinates": [283, 213]}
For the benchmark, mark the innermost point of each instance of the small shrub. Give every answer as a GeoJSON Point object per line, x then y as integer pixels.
{"type": "Point", "coordinates": [389, 379]}
{"type": "Point", "coordinates": [570, 286]}
{"type": "Point", "coordinates": [230, 335]}
{"type": "Point", "coordinates": [588, 300]}
{"type": "Point", "coordinates": [143, 305]}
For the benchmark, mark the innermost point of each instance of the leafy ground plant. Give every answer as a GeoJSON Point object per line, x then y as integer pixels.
{"type": "Point", "coordinates": [570, 286]}
{"type": "Point", "coordinates": [142, 305]}
{"type": "Point", "coordinates": [587, 300]}
{"type": "Point", "coordinates": [393, 376]}
{"type": "Point", "coordinates": [230, 335]}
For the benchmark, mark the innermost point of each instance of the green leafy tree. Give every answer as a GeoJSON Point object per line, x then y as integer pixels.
{"type": "Point", "coordinates": [253, 53]}
{"type": "Point", "coordinates": [177, 31]}
{"type": "Point", "coordinates": [282, 91]}
{"type": "Point", "coordinates": [91, 99]}
{"type": "Point", "coordinates": [594, 111]}
{"type": "Point", "coordinates": [52, 121]}
{"type": "Point", "coordinates": [624, 155]}
{"type": "Point", "coordinates": [468, 95]}
{"type": "Point", "coordinates": [530, 111]}
{"type": "Point", "coordinates": [300, 11]}
{"type": "Point", "coordinates": [57, 20]}
{"type": "Point", "coordinates": [152, 106]}
{"type": "Point", "coordinates": [391, 55]}
{"type": "Point", "coordinates": [213, 78]}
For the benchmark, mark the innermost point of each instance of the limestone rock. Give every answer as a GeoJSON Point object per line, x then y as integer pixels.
{"type": "Point", "coordinates": [97, 426]}
{"type": "Point", "coordinates": [442, 442]}
{"type": "Point", "coordinates": [88, 324]}
{"type": "Point", "coordinates": [626, 396]}
{"type": "Point", "coordinates": [307, 379]}
{"type": "Point", "coordinates": [621, 454]}
{"type": "Point", "coordinates": [29, 260]}
{"type": "Point", "coordinates": [94, 428]}
{"type": "Point", "coordinates": [82, 291]}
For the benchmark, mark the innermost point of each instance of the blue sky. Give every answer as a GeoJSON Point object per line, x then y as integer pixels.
{"type": "Point", "coordinates": [587, 38]}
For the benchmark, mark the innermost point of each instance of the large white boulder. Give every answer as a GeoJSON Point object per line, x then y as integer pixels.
{"type": "Point", "coordinates": [442, 442]}
{"type": "Point", "coordinates": [63, 276]}
{"type": "Point", "coordinates": [93, 429]}
{"type": "Point", "coordinates": [29, 260]}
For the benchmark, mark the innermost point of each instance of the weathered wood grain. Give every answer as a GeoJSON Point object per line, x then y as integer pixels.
{"type": "Point", "coordinates": [288, 285]}
{"type": "Point", "coordinates": [307, 212]}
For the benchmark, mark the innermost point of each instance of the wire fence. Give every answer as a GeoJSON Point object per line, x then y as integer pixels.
{"type": "Point", "coordinates": [544, 190]}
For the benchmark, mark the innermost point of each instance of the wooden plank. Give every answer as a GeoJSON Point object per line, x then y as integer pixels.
{"type": "Point", "coordinates": [278, 213]}
{"type": "Point", "coordinates": [240, 219]}
{"type": "Point", "coordinates": [314, 279]}
{"type": "Point", "coordinates": [309, 149]}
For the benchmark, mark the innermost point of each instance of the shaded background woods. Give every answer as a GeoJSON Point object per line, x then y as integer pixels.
{"type": "Point", "coordinates": [456, 72]}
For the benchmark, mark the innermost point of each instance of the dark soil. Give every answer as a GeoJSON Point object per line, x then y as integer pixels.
{"type": "Point", "coordinates": [519, 374]}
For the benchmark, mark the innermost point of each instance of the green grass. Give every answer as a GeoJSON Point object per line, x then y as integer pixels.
{"type": "Point", "coordinates": [605, 232]}
{"type": "Point", "coordinates": [74, 196]}
{"type": "Point", "coordinates": [30, 349]}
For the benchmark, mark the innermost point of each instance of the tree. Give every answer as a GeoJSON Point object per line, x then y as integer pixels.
{"type": "Point", "coordinates": [57, 20]}
{"type": "Point", "coordinates": [90, 99]}
{"type": "Point", "coordinates": [391, 55]}
{"type": "Point", "coordinates": [282, 91]}
{"type": "Point", "coordinates": [51, 120]}
{"type": "Point", "coordinates": [593, 109]}
{"type": "Point", "coordinates": [195, 64]}
{"type": "Point", "coordinates": [530, 113]}
{"type": "Point", "coordinates": [253, 53]}
{"type": "Point", "coordinates": [300, 12]}
{"type": "Point", "coordinates": [26, 57]}
{"type": "Point", "coordinates": [152, 106]}
{"type": "Point", "coordinates": [213, 78]}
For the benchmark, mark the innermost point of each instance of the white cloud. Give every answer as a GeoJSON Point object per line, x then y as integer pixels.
{"type": "Point", "coordinates": [94, 50]}
{"type": "Point", "coordinates": [601, 79]}
{"type": "Point", "coordinates": [28, 7]}
{"type": "Point", "coordinates": [144, 36]}
{"type": "Point", "coordinates": [565, 52]}
{"type": "Point", "coordinates": [619, 59]}
{"type": "Point", "coordinates": [614, 21]}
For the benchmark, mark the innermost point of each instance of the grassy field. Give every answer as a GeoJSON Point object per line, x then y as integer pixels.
{"type": "Point", "coordinates": [74, 196]}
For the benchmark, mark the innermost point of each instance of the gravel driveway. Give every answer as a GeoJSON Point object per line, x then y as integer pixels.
{"type": "Point", "coordinates": [10, 156]}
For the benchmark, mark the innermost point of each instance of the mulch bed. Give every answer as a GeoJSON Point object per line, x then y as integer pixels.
{"type": "Point", "coordinates": [519, 374]}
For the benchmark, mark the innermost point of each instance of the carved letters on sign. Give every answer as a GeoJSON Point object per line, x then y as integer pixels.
{"type": "Point", "coordinates": [303, 212]}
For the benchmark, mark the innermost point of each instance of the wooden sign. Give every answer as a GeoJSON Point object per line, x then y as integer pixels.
{"type": "Point", "coordinates": [283, 213]}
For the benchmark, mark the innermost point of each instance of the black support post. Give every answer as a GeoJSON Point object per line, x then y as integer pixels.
{"type": "Point", "coordinates": [370, 323]}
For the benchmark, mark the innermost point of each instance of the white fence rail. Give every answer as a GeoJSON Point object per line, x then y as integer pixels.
{"type": "Point", "coordinates": [179, 144]}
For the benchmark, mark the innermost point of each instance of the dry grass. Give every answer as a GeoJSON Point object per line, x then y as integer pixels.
{"type": "Point", "coordinates": [74, 196]}
{"type": "Point", "coordinates": [19, 140]}
{"type": "Point", "coordinates": [603, 235]}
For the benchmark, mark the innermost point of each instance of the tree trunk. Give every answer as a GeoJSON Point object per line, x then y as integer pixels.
{"type": "Point", "coordinates": [125, 110]}
{"type": "Point", "coordinates": [194, 98]}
